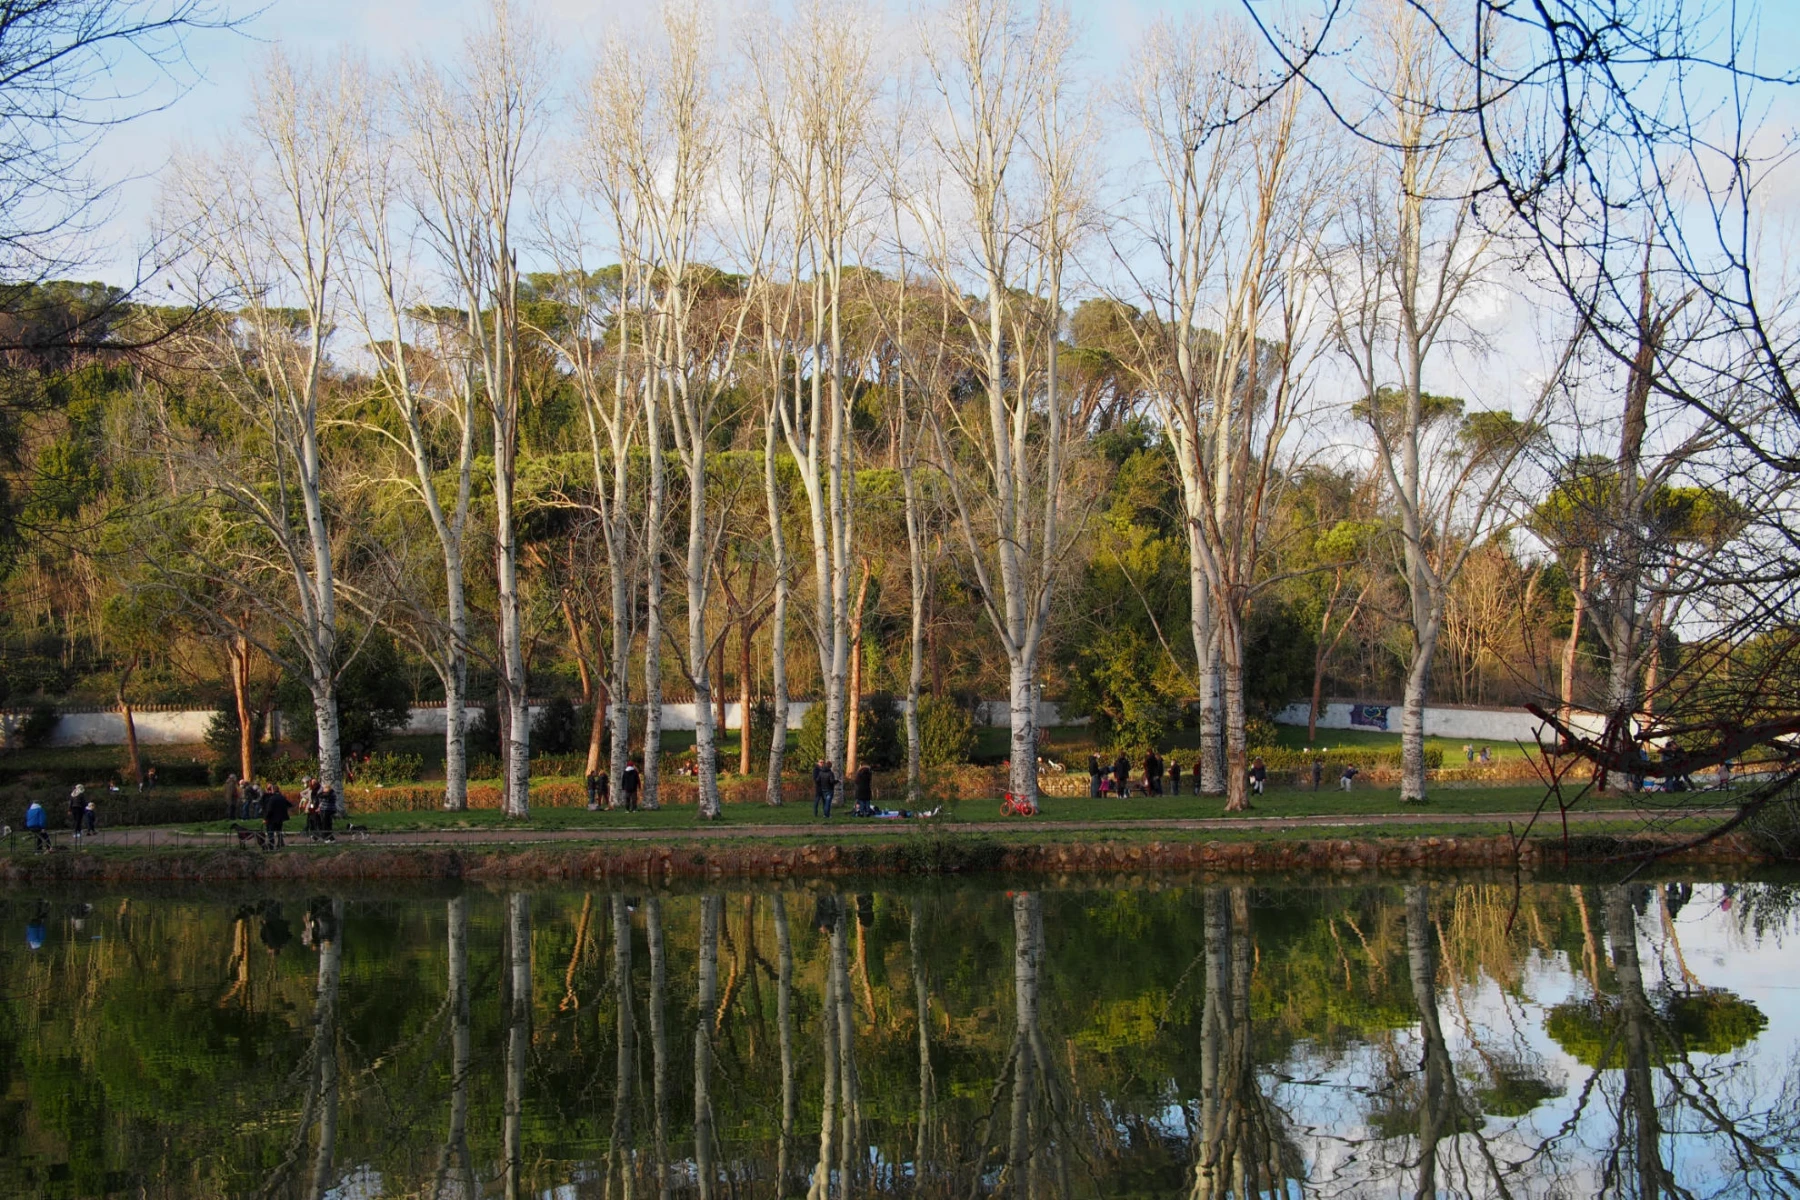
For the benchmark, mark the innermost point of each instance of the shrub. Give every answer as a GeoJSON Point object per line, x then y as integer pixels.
{"type": "Point", "coordinates": [762, 728]}
{"type": "Point", "coordinates": [878, 737]}
{"type": "Point", "coordinates": [481, 739]}
{"type": "Point", "coordinates": [555, 729]}
{"type": "Point", "coordinates": [1259, 733]}
{"type": "Point", "coordinates": [285, 769]}
{"type": "Point", "coordinates": [39, 725]}
{"type": "Point", "coordinates": [946, 733]}
{"type": "Point", "coordinates": [809, 742]}
{"type": "Point", "coordinates": [222, 740]}
{"type": "Point", "coordinates": [387, 769]}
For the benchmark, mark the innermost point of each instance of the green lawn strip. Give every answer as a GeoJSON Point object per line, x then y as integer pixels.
{"type": "Point", "coordinates": [1278, 804]}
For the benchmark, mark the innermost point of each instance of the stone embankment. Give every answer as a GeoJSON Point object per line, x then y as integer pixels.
{"type": "Point", "coordinates": [652, 863]}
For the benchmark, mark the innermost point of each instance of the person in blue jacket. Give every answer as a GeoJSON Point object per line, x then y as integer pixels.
{"type": "Point", "coordinates": [36, 822]}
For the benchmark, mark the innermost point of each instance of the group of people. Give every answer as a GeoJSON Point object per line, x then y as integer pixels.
{"type": "Point", "coordinates": [84, 816]}
{"type": "Point", "coordinates": [318, 803]}
{"type": "Point", "coordinates": [825, 787]}
{"type": "Point", "coordinates": [1116, 780]}
{"type": "Point", "coordinates": [599, 788]}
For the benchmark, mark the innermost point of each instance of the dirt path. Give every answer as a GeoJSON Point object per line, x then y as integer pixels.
{"type": "Point", "coordinates": [855, 829]}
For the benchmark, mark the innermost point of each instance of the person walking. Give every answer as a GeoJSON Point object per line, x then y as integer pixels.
{"type": "Point", "coordinates": [37, 823]}
{"type": "Point", "coordinates": [1122, 775]}
{"type": "Point", "coordinates": [865, 790]}
{"type": "Point", "coordinates": [1318, 772]}
{"type": "Point", "coordinates": [275, 809]}
{"type": "Point", "coordinates": [1347, 777]}
{"type": "Point", "coordinates": [1259, 775]}
{"type": "Point", "coordinates": [593, 791]}
{"type": "Point", "coordinates": [233, 795]}
{"type": "Point", "coordinates": [1175, 777]}
{"type": "Point", "coordinates": [1468, 752]}
{"type": "Point", "coordinates": [824, 788]}
{"type": "Point", "coordinates": [1153, 773]}
{"type": "Point", "coordinates": [629, 782]}
{"type": "Point", "coordinates": [1094, 773]}
{"type": "Point", "coordinates": [90, 814]}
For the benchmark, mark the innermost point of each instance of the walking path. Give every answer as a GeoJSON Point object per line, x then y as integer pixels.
{"type": "Point", "coordinates": [856, 828]}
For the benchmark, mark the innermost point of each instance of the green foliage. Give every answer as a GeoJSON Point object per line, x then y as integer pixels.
{"type": "Point", "coordinates": [39, 726]}
{"type": "Point", "coordinates": [385, 769]}
{"type": "Point", "coordinates": [1710, 1021]}
{"type": "Point", "coordinates": [1260, 734]}
{"type": "Point", "coordinates": [762, 728]}
{"type": "Point", "coordinates": [810, 739]}
{"type": "Point", "coordinates": [1278, 652]}
{"type": "Point", "coordinates": [373, 699]}
{"type": "Point", "coordinates": [555, 729]}
{"type": "Point", "coordinates": [878, 738]}
{"type": "Point", "coordinates": [946, 732]}
{"type": "Point", "coordinates": [222, 738]}
{"type": "Point", "coordinates": [1125, 682]}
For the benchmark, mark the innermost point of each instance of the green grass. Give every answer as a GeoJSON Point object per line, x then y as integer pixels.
{"type": "Point", "coordinates": [1277, 804]}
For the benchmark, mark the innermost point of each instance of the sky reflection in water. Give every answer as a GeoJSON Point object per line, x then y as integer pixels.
{"type": "Point", "coordinates": [1386, 1039]}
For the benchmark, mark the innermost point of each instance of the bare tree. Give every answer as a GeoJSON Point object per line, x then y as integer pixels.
{"type": "Point", "coordinates": [263, 222]}
{"type": "Point", "coordinates": [1409, 255]}
{"type": "Point", "coordinates": [428, 383]}
{"type": "Point", "coordinates": [473, 128]}
{"type": "Point", "coordinates": [1006, 216]}
{"type": "Point", "coordinates": [1231, 231]}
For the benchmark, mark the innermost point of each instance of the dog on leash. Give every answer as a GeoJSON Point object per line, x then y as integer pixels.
{"type": "Point", "coordinates": [245, 836]}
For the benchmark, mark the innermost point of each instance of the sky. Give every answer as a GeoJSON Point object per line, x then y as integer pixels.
{"type": "Point", "coordinates": [390, 31]}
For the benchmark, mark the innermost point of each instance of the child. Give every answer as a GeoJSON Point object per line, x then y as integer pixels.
{"type": "Point", "coordinates": [1349, 774]}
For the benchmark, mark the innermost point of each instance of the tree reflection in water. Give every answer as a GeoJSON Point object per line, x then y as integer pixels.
{"type": "Point", "coordinates": [1050, 1044]}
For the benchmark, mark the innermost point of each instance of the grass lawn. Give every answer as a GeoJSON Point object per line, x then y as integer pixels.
{"type": "Point", "coordinates": [1278, 803]}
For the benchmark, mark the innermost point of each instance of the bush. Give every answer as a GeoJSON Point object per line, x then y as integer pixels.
{"type": "Point", "coordinates": [555, 729]}
{"type": "Point", "coordinates": [762, 729]}
{"type": "Point", "coordinates": [946, 733]}
{"type": "Point", "coordinates": [39, 725]}
{"type": "Point", "coordinates": [481, 738]}
{"type": "Point", "coordinates": [878, 738]}
{"type": "Point", "coordinates": [1259, 733]}
{"type": "Point", "coordinates": [809, 742]}
{"type": "Point", "coordinates": [387, 769]}
{"type": "Point", "coordinates": [284, 769]}
{"type": "Point", "coordinates": [222, 740]}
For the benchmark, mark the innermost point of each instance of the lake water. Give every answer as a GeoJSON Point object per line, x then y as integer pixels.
{"type": "Point", "coordinates": [1388, 1039]}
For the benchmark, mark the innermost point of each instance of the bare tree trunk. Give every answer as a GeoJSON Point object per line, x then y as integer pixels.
{"type": "Point", "coordinates": [454, 1160]}
{"type": "Point", "coordinates": [853, 694]}
{"type": "Point", "coordinates": [619, 1152]}
{"type": "Point", "coordinates": [325, 1069]}
{"type": "Point", "coordinates": [820, 1187]}
{"type": "Point", "coordinates": [711, 909]}
{"type": "Point", "coordinates": [653, 589]}
{"type": "Point", "coordinates": [746, 673]}
{"type": "Point", "coordinates": [922, 1011]}
{"type": "Point", "coordinates": [131, 742]}
{"type": "Point", "coordinates": [1206, 657]}
{"type": "Point", "coordinates": [659, 1041]}
{"type": "Point", "coordinates": [784, 1011]}
{"type": "Point", "coordinates": [239, 655]}
{"type": "Point", "coordinates": [518, 1041]}
{"type": "Point", "coordinates": [778, 630]}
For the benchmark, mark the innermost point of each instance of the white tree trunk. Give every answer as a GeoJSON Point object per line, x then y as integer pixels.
{"type": "Point", "coordinates": [778, 623]}
{"type": "Point", "coordinates": [518, 1042]}
{"type": "Point", "coordinates": [705, 735]}
{"type": "Point", "coordinates": [1412, 721]}
{"type": "Point", "coordinates": [711, 909]}
{"type": "Point", "coordinates": [1022, 778]}
{"type": "Point", "coordinates": [653, 591]}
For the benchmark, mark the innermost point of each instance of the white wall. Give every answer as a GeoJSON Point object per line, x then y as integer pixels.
{"type": "Point", "coordinates": [1472, 724]}
{"type": "Point", "coordinates": [188, 726]}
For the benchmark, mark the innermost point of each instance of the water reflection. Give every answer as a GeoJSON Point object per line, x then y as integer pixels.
{"type": "Point", "coordinates": [1419, 1039]}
